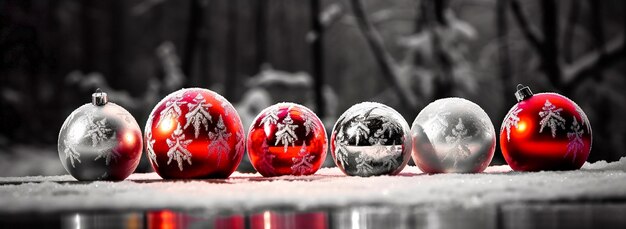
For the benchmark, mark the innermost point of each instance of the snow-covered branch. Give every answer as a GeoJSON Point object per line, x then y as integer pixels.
{"type": "Point", "coordinates": [593, 61]}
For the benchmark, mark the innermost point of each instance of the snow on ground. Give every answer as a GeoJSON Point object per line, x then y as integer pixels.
{"type": "Point", "coordinates": [328, 188]}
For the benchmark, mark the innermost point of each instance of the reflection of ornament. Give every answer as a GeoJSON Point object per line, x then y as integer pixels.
{"type": "Point", "coordinates": [287, 139]}
{"type": "Point", "coordinates": [100, 141]}
{"type": "Point", "coordinates": [189, 135]}
{"type": "Point", "coordinates": [371, 139]}
{"type": "Point", "coordinates": [453, 135]}
{"type": "Point", "coordinates": [545, 131]}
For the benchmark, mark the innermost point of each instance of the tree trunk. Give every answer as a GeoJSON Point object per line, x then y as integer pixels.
{"type": "Point", "coordinates": [550, 51]}
{"type": "Point", "coordinates": [317, 57]}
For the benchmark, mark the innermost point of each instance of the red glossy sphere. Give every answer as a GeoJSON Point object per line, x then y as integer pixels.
{"type": "Point", "coordinates": [546, 131]}
{"type": "Point", "coordinates": [194, 133]}
{"type": "Point", "coordinates": [287, 139]}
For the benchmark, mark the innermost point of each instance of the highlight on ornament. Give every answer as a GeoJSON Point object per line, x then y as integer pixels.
{"type": "Point", "coordinates": [194, 133]}
{"type": "Point", "coordinates": [100, 141]}
{"type": "Point", "coordinates": [371, 139]}
{"type": "Point", "coordinates": [545, 131]}
{"type": "Point", "coordinates": [453, 135]}
{"type": "Point", "coordinates": [287, 139]}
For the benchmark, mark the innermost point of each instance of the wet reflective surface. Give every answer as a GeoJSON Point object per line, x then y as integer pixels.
{"type": "Point", "coordinates": [514, 215]}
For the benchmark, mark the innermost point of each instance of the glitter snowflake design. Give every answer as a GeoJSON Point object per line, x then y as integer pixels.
{"type": "Point", "coordinates": [584, 119]}
{"type": "Point", "coordinates": [270, 118]}
{"type": "Point", "coordinates": [308, 124]}
{"type": "Point", "coordinates": [436, 122]}
{"type": "Point", "coordinates": [286, 134]}
{"type": "Point", "coordinates": [511, 120]}
{"type": "Point", "coordinates": [178, 148]}
{"type": "Point", "coordinates": [108, 155]}
{"type": "Point", "coordinates": [198, 114]}
{"type": "Point", "coordinates": [98, 130]}
{"type": "Point", "coordinates": [359, 126]}
{"type": "Point", "coordinates": [150, 148]}
{"type": "Point", "coordinates": [70, 153]}
{"type": "Point", "coordinates": [575, 144]}
{"type": "Point", "coordinates": [458, 137]}
{"type": "Point", "coordinates": [172, 108]}
{"type": "Point", "coordinates": [388, 127]}
{"type": "Point", "coordinates": [341, 152]}
{"type": "Point", "coordinates": [363, 164]}
{"type": "Point", "coordinates": [239, 147]}
{"type": "Point", "coordinates": [303, 163]}
{"type": "Point", "coordinates": [389, 161]}
{"type": "Point", "coordinates": [219, 140]}
{"type": "Point", "coordinates": [226, 105]}
{"type": "Point", "coordinates": [551, 117]}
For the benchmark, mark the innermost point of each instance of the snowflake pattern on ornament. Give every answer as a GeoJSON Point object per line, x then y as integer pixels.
{"type": "Point", "coordinates": [575, 144]}
{"type": "Point", "coordinates": [226, 105]}
{"type": "Point", "coordinates": [308, 124]}
{"type": "Point", "coordinates": [97, 130]}
{"type": "Point", "coordinates": [286, 132]}
{"type": "Point", "coordinates": [219, 140]}
{"type": "Point", "coordinates": [178, 148]}
{"type": "Point", "coordinates": [363, 164]}
{"type": "Point", "coordinates": [551, 117]}
{"type": "Point", "coordinates": [511, 120]}
{"type": "Point", "coordinates": [303, 163]}
{"type": "Point", "coordinates": [458, 138]}
{"type": "Point", "coordinates": [198, 114]}
{"type": "Point", "coordinates": [239, 147]}
{"type": "Point", "coordinates": [359, 126]}
{"type": "Point", "coordinates": [388, 127]}
{"type": "Point", "coordinates": [391, 153]}
{"type": "Point", "coordinates": [341, 152]}
{"type": "Point", "coordinates": [172, 108]}
{"type": "Point", "coordinates": [150, 148]}
{"type": "Point", "coordinates": [584, 119]}
{"type": "Point", "coordinates": [436, 122]}
{"type": "Point", "coordinates": [270, 118]}
{"type": "Point", "coordinates": [108, 155]}
{"type": "Point", "coordinates": [70, 153]}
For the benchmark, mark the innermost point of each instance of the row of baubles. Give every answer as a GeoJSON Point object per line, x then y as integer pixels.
{"type": "Point", "coordinates": [196, 133]}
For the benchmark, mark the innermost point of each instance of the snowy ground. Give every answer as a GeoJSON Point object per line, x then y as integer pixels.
{"type": "Point", "coordinates": [329, 188]}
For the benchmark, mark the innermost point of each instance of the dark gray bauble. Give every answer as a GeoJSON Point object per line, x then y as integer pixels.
{"type": "Point", "coordinates": [371, 139]}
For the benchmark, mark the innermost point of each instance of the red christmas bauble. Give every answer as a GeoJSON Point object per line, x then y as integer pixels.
{"type": "Point", "coordinates": [287, 139]}
{"type": "Point", "coordinates": [194, 133]}
{"type": "Point", "coordinates": [545, 131]}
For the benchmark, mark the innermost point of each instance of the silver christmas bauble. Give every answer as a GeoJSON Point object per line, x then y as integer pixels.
{"type": "Point", "coordinates": [453, 135]}
{"type": "Point", "coordinates": [371, 139]}
{"type": "Point", "coordinates": [100, 141]}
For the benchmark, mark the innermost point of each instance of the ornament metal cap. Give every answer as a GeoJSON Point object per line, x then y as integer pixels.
{"type": "Point", "coordinates": [523, 92]}
{"type": "Point", "coordinates": [99, 98]}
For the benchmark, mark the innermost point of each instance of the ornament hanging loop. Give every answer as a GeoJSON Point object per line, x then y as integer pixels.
{"type": "Point", "coordinates": [99, 98]}
{"type": "Point", "coordinates": [523, 92]}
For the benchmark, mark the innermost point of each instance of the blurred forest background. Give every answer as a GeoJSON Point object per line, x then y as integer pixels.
{"type": "Point", "coordinates": [325, 54]}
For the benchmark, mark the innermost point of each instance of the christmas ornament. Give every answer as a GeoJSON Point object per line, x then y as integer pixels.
{"type": "Point", "coordinates": [545, 131]}
{"type": "Point", "coordinates": [100, 141]}
{"type": "Point", "coordinates": [287, 139]}
{"type": "Point", "coordinates": [194, 133]}
{"type": "Point", "coordinates": [453, 135]}
{"type": "Point", "coordinates": [371, 139]}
